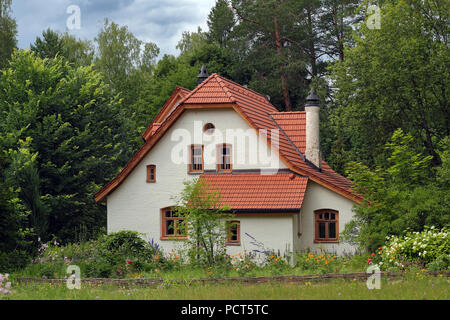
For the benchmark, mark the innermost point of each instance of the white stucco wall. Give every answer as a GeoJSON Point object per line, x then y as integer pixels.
{"type": "Point", "coordinates": [275, 232]}
{"type": "Point", "coordinates": [135, 204]}
{"type": "Point", "coordinates": [318, 197]}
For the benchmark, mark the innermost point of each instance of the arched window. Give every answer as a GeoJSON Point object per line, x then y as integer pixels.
{"type": "Point", "coordinates": [326, 225]}
{"type": "Point", "coordinates": [209, 128]}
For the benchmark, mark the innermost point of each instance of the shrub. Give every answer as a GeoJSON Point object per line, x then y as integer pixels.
{"type": "Point", "coordinates": [118, 254]}
{"type": "Point", "coordinates": [14, 260]}
{"type": "Point", "coordinates": [421, 248]}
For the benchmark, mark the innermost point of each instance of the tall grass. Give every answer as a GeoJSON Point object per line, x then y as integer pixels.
{"type": "Point", "coordinates": [415, 287]}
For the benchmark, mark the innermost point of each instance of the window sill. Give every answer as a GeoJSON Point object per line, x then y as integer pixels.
{"type": "Point", "coordinates": [326, 241]}
{"type": "Point", "coordinates": [174, 238]}
{"type": "Point", "coordinates": [195, 172]}
{"type": "Point", "coordinates": [233, 244]}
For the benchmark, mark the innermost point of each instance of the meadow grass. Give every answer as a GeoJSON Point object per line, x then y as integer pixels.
{"type": "Point", "coordinates": [411, 287]}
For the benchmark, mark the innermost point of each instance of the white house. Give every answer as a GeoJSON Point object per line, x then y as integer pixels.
{"type": "Point", "coordinates": [265, 163]}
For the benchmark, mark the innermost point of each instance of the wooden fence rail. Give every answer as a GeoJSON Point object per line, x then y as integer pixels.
{"type": "Point", "coordinates": [153, 282]}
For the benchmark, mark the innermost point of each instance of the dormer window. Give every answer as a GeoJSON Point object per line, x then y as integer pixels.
{"type": "Point", "coordinates": [209, 128]}
{"type": "Point", "coordinates": [224, 158]}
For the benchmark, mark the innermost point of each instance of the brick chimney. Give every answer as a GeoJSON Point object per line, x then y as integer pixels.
{"type": "Point", "coordinates": [312, 108]}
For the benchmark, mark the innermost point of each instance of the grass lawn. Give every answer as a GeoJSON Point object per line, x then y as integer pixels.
{"type": "Point", "coordinates": [413, 287]}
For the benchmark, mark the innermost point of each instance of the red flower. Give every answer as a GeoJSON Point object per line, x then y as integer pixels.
{"type": "Point", "coordinates": [373, 254]}
{"type": "Point", "coordinates": [129, 262]}
{"type": "Point", "coordinates": [369, 261]}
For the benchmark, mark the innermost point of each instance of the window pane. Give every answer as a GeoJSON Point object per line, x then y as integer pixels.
{"type": "Point", "coordinates": [233, 231]}
{"type": "Point", "coordinates": [327, 216]}
{"type": "Point", "coordinates": [181, 227]}
{"type": "Point", "coordinates": [170, 230]}
{"type": "Point", "coordinates": [322, 230]}
{"type": "Point", "coordinates": [332, 229]}
{"type": "Point", "coordinates": [333, 216]}
{"type": "Point", "coordinates": [197, 151]}
{"type": "Point", "coordinates": [320, 216]}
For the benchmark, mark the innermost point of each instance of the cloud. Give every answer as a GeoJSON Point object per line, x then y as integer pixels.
{"type": "Point", "coordinates": [158, 21]}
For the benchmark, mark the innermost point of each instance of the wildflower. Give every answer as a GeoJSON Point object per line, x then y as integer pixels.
{"type": "Point", "coordinates": [373, 254]}
{"type": "Point", "coordinates": [129, 262]}
{"type": "Point", "coordinates": [369, 261]}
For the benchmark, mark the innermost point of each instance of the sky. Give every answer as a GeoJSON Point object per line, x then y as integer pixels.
{"type": "Point", "coordinates": [158, 21]}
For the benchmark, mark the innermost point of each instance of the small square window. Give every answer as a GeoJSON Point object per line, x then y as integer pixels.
{"type": "Point", "coordinates": [151, 173]}
{"type": "Point", "coordinates": [234, 233]}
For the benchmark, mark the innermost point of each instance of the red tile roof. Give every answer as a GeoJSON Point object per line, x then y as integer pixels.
{"type": "Point", "coordinates": [282, 191]}
{"type": "Point", "coordinates": [294, 125]}
{"type": "Point", "coordinates": [260, 114]}
{"type": "Point", "coordinates": [170, 105]}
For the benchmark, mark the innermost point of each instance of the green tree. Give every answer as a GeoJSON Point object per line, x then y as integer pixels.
{"type": "Point", "coordinates": [221, 21]}
{"type": "Point", "coordinates": [394, 77]}
{"type": "Point", "coordinates": [8, 32]}
{"type": "Point", "coordinates": [205, 222]}
{"type": "Point", "coordinates": [52, 44]}
{"type": "Point", "coordinates": [127, 65]}
{"type": "Point", "coordinates": [49, 46]}
{"type": "Point", "coordinates": [79, 132]}
{"type": "Point", "coordinates": [400, 197]}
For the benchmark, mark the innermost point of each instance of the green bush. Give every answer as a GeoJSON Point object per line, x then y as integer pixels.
{"type": "Point", "coordinates": [14, 260]}
{"type": "Point", "coordinates": [120, 254]}
{"type": "Point", "coordinates": [421, 248]}
{"type": "Point", "coordinates": [442, 262]}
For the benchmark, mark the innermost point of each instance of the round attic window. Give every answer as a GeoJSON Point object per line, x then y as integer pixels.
{"type": "Point", "coordinates": [209, 128]}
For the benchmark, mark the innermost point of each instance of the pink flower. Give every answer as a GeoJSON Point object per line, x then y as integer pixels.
{"type": "Point", "coordinates": [369, 261]}
{"type": "Point", "coordinates": [373, 254]}
{"type": "Point", "coordinates": [129, 262]}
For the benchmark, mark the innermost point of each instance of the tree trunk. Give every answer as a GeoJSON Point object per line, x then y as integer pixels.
{"type": "Point", "coordinates": [287, 100]}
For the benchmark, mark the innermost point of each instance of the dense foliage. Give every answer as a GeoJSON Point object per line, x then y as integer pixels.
{"type": "Point", "coordinates": [401, 196]}
{"type": "Point", "coordinates": [428, 249]}
{"type": "Point", "coordinates": [74, 132]}
{"type": "Point", "coordinates": [114, 255]}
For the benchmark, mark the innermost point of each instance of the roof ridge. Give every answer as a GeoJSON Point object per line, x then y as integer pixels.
{"type": "Point", "coordinates": [241, 86]}
{"type": "Point", "coordinates": [288, 112]}
{"type": "Point", "coordinates": [224, 88]}
{"type": "Point", "coordinates": [196, 89]}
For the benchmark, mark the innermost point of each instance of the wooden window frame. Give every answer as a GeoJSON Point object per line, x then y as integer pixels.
{"type": "Point", "coordinates": [176, 235]}
{"type": "Point", "coordinates": [149, 174]}
{"type": "Point", "coordinates": [191, 153]}
{"type": "Point", "coordinates": [231, 242]}
{"type": "Point", "coordinates": [220, 157]}
{"type": "Point", "coordinates": [327, 239]}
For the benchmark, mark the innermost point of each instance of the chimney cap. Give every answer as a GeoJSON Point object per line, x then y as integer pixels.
{"type": "Point", "coordinates": [202, 75]}
{"type": "Point", "coordinates": [312, 100]}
